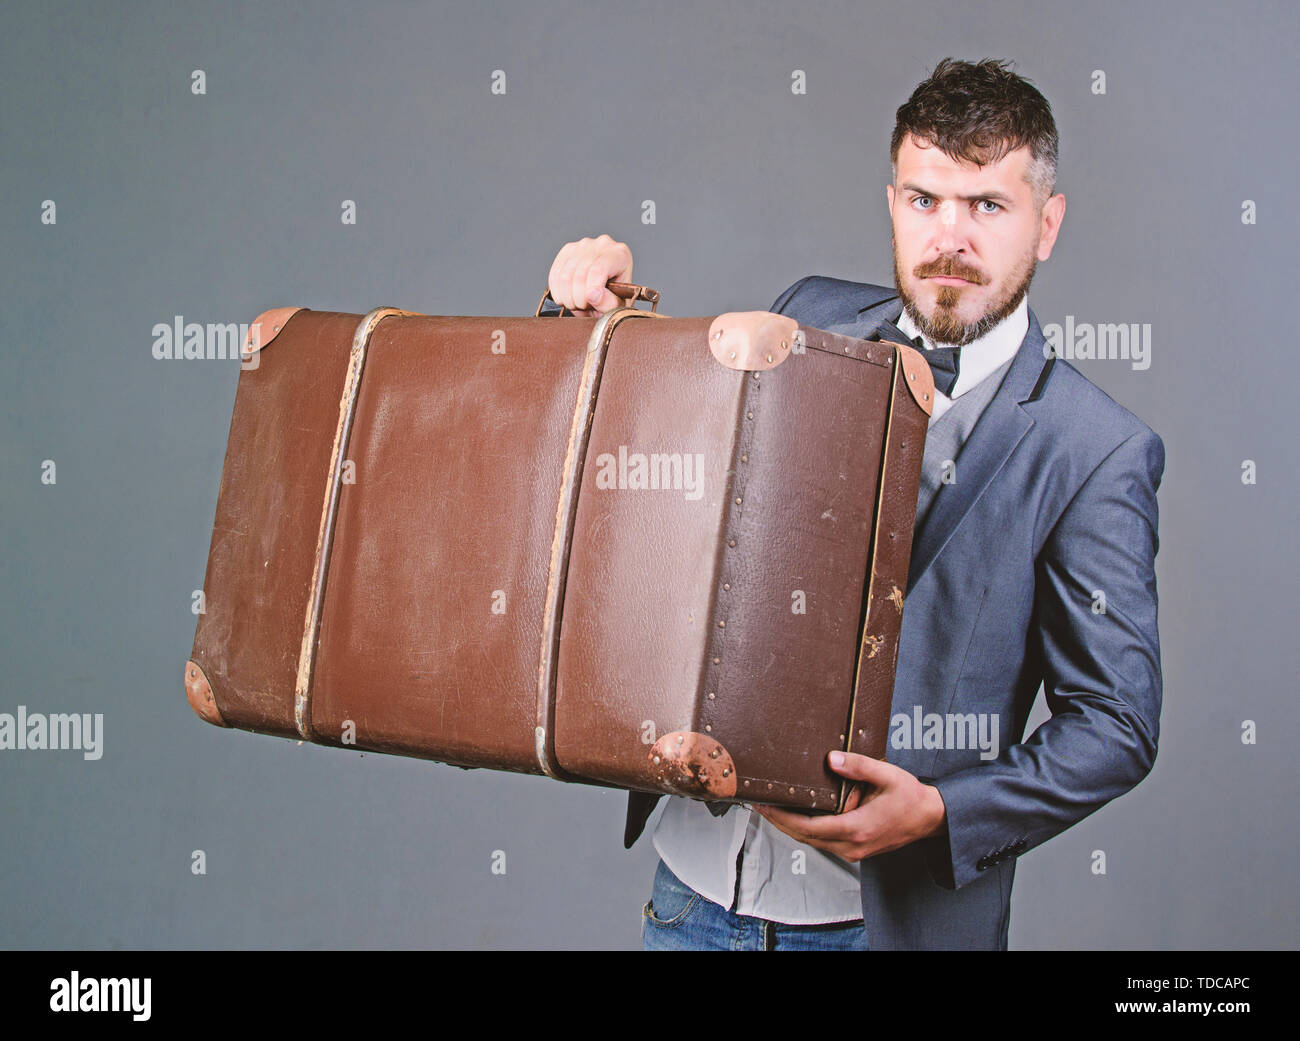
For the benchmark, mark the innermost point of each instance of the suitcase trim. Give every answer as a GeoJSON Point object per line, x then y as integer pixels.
{"type": "Point", "coordinates": [883, 633]}
{"type": "Point", "coordinates": [561, 543]}
{"type": "Point", "coordinates": [920, 377]}
{"type": "Point", "coordinates": [277, 318]}
{"type": "Point", "coordinates": [325, 534]}
{"type": "Point", "coordinates": [198, 692]}
{"type": "Point", "coordinates": [752, 340]}
{"type": "Point", "coordinates": [692, 764]}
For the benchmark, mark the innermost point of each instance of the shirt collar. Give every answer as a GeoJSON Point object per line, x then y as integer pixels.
{"type": "Point", "coordinates": [982, 357]}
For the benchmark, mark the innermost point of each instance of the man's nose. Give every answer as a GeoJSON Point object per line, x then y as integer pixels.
{"type": "Point", "coordinates": [952, 229]}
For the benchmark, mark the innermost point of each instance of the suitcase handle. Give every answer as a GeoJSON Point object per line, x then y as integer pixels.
{"type": "Point", "coordinates": [627, 290]}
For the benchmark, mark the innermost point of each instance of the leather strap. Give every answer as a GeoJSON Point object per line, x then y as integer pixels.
{"type": "Point", "coordinates": [325, 534]}
{"type": "Point", "coordinates": [566, 510]}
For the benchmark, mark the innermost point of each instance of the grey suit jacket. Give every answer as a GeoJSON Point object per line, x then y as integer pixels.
{"type": "Point", "coordinates": [1035, 566]}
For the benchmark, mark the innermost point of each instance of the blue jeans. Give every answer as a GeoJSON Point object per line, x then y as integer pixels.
{"type": "Point", "coordinates": [677, 918]}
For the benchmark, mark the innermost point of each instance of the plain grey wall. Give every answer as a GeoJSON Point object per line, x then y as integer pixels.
{"type": "Point", "coordinates": [215, 207]}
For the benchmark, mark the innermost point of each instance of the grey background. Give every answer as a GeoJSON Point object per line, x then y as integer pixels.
{"type": "Point", "coordinates": [217, 207]}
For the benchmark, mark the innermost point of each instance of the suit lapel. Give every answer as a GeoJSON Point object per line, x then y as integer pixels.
{"type": "Point", "coordinates": [1002, 426]}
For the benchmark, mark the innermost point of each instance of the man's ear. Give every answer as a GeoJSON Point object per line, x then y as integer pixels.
{"type": "Point", "coordinates": [889, 194]}
{"type": "Point", "coordinates": [1053, 214]}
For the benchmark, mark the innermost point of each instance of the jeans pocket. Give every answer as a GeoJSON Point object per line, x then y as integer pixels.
{"type": "Point", "coordinates": [671, 901]}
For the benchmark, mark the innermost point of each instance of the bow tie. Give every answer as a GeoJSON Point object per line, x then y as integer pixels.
{"type": "Point", "coordinates": [945, 362]}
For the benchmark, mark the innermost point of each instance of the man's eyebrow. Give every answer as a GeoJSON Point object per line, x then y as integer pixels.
{"type": "Point", "coordinates": [992, 196]}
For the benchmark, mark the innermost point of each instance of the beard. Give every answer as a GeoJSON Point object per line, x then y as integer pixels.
{"type": "Point", "coordinates": [945, 327]}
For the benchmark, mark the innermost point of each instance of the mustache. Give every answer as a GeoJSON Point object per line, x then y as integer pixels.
{"type": "Point", "coordinates": [952, 268]}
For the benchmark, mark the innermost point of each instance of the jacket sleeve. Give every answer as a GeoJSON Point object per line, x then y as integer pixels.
{"type": "Point", "coordinates": [1094, 632]}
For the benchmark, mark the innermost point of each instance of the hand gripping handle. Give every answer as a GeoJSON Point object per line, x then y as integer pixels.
{"type": "Point", "coordinates": [627, 290]}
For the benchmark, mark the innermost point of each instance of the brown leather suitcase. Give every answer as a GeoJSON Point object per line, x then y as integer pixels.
{"type": "Point", "coordinates": [663, 554]}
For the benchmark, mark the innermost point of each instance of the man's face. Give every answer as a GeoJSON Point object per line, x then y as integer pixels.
{"type": "Point", "coordinates": [966, 239]}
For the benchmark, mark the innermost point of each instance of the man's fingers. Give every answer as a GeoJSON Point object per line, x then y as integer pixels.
{"type": "Point", "coordinates": [831, 827]}
{"type": "Point", "coordinates": [560, 279]}
{"type": "Point", "coordinates": [596, 294]}
{"type": "Point", "coordinates": [792, 825]}
{"type": "Point", "coordinates": [581, 270]}
{"type": "Point", "coordinates": [861, 767]}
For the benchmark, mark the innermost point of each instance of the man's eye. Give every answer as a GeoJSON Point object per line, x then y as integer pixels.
{"type": "Point", "coordinates": [993, 207]}
{"type": "Point", "coordinates": [922, 199]}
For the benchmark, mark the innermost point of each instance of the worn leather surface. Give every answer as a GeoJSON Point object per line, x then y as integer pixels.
{"type": "Point", "coordinates": [264, 534]}
{"type": "Point", "coordinates": [458, 454]}
{"type": "Point", "coordinates": [735, 613]}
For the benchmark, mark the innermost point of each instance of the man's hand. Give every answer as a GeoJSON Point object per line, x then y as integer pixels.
{"type": "Point", "coordinates": [894, 810]}
{"type": "Point", "coordinates": [580, 271]}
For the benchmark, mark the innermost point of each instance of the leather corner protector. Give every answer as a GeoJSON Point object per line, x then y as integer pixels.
{"type": "Point", "coordinates": [694, 765]}
{"type": "Point", "coordinates": [752, 340]}
{"type": "Point", "coordinates": [266, 327]}
{"type": "Point", "coordinates": [918, 376]}
{"type": "Point", "coordinates": [199, 692]}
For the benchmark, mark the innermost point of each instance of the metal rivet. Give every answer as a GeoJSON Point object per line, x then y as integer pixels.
{"type": "Point", "coordinates": [841, 739]}
{"type": "Point", "coordinates": [726, 585]}
{"type": "Point", "coordinates": [812, 793]}
{"type": "Point", "coordinates": [277, 329]}
{"type": "Point", "coordinates": [749, 415]}
{"type": "Point", "coordinates": [657, 760]}
{"type": "Point", "coordinates": [731, 542]}
{"type": "Point", "coordinates": [716, 660]}
{"type": "Point", "coordinates": [714, 754]}
{"type": "Point", "coordinates": [925, 397]}
{"type": "Point", "coordinates": [192, 672]}
{"type": "Point", "coordinates": [746, 783]}
{"type": "Point", "coordinates": [768, 358]}
{"type": "Point", "coordinates": [717, 335]}
{"type": "Point", "coordinates": [711, 695]}
{"type": "Point", "coordinates": [737, 500]}
{"type": "Point", "coordinates": [726, 772]}
{"type": "Point", "coordinates": [756, 374]}
{"type": "Point", "coordinates": [731, 355]}
{"type": "Point", "coordinates": [862, 733]}
{"type": "Point", "coordinates": [680, 740]}
{"type": "Point", "coordinates": [708, 729]}
{"type": "Point", "coordinates": [784, 346]}
{"type": "Point", "coordinates": [744, 458]}
{"type": "Point", "coordinates": [722, 625]}
{"type": "Point", "coordinates": [769, 786]}
{"type": "Point", "coordinates": [791, 791]}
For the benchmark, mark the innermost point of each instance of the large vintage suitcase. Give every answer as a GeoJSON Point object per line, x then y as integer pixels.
{"type": "Point", "coordinates": [663, 554]}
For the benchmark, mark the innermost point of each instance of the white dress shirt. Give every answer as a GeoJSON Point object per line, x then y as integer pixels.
{"type": "Point", "coordinates": [981, 357]}
{"type": "Point", "coordinates": [781, 879]}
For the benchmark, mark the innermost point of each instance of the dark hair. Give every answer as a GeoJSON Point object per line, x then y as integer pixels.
{"type": "Point", "coordinates": [978, 112]}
